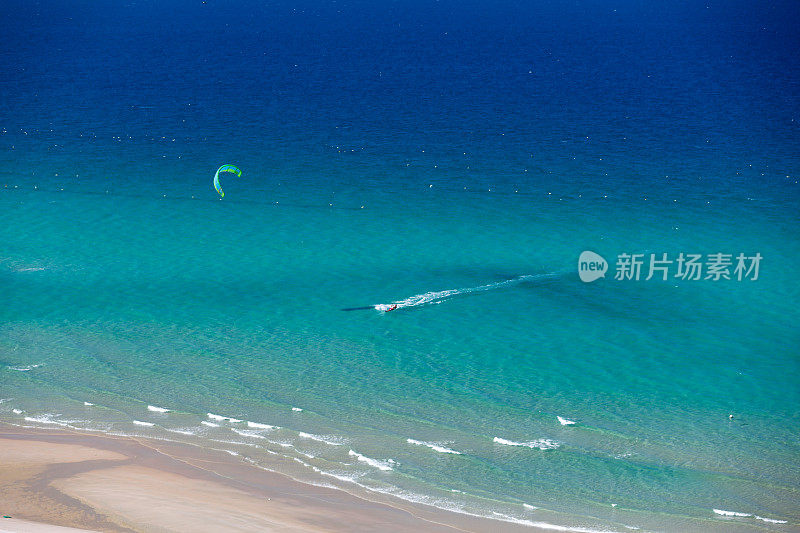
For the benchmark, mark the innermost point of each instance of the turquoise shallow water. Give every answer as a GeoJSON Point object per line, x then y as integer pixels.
{"type": "Point", "coordinates": [235, 308]}
{"type": "Point", "coordinates": [455, 162]}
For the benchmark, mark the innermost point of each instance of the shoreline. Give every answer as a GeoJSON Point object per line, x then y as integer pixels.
{"type": "Point", "coordinates": [108, 483]}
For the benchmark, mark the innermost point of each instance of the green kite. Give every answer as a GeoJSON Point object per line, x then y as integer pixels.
{"type": "Point", "coordinates": [225, 168]}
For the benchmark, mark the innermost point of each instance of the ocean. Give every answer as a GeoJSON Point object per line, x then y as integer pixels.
{"type": "Point", "coordinates": [453, 160]}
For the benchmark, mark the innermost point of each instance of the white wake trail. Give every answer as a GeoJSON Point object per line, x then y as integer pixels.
{"type": "Point", "coordinates": [436, 297]}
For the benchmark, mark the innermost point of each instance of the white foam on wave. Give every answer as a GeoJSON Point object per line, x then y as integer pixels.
{"type": "Point", "coordinates": [770, 520]}
{"type": "Point", "coordinates": [29, 269]}
{"type": "Point", "coordinates": [209, 424]}
{"type": "Point", "coordinates": [748, 515]}
{"type": "Point", "coordinates": [49, 419]}
{"type": "Point", "coordinates": [731, 513]}
{"type": "Point", "coordinates": [140, 423]}
{"type": "Point", "coordinates": [241, 443]}
{"type": "Point", "coordinates": [17, 411]}
{"type": "Point", "coordinates": [565, 421]}
{"type": "Point", "coordinates": [529, 507]}
{"type": "Point", "coordinates": [347, 478]}
{"type": "Point", "coordinates": [435, 297]}
{"type": "Point", "coordinates": [296, 409]}
{"type": "Point", "coordinates": [46, 419]}
{"type": "Point", "coordinates": [309, 466]}
{"type": "Point", "coordinates": [545, 525]}
{"type": "Point", "coordinates": [25, 368]}
{"type": "Point", "coordinates": [182, 431]}
{"type": "Point", "coordinates": [221, 418]}
{"type": "Point", "coordinates": [433, 446]}
{"type": "Point", "coordinates": [449, 505]}
{"type": "Point", "coordinates": [256, 425]}
{"type": "Point", "coordinates": [247, 433]}
{"type": "Point", "coordinates": [4, 400]}
{"type": "Point", "coordinates": [88, 404]}
{"type": "Point", "coordinates": [375, 463]}
{"type": "Point", "coordinates": [327, 439]}
{"type": "Point", "coordinates": [541, 444]}
{"type": "Point", "coordinates": [155, 409]}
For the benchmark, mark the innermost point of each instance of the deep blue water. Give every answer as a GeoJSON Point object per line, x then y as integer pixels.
{"type": "Point", "coordinates": [455, 158]}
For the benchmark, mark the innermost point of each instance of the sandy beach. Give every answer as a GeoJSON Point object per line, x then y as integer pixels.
{"type": "Point", "coordinates": [65, 481]}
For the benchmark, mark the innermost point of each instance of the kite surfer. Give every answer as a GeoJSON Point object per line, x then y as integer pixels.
{"type": "Point", "coordinates": [392, 308]}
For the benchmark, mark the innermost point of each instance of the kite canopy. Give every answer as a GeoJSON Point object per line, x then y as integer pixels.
{"type": "Point", "coordinates": [225, 168]}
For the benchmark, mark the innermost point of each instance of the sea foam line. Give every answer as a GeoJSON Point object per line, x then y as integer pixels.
{"type": "Point", "coordinates": [731, 513]}
{"type": "Point", "coordinates": [256, 425]}
{"type": "Point", "coordinates": [440, 296]}
{"type": "Point", "coordinates": [747, 515]}
{"type": "Point", "coordinates": [541, 444]}
{"type": "Point", "coordinates": [47, 419]}
{"type": "Point", "coordinates": [770, 520]}
{"type": "Point", "coordinates": [353, 477]}
{"type": "Point", "coordinates": [452, 506]}
{"type": "Point", "coordinates": [433, 446]}
{"type": "Point", "coordinates": [44, 419]}
{"type": "Point", "coordinates": [248, 444]}
{"type": "Point", "coordinates": [565, 421]}
{"type": "Point", "coordinates": [380, 465]}
{"type": "Point", "coordinates": [543, 525]}
{"type": "Point", "coordinates": [320, 438]}
{"type": "Point", "coordinates": [246, 433]}
{"type": "Point", "coordinates": [155, 409]}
